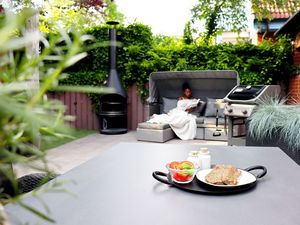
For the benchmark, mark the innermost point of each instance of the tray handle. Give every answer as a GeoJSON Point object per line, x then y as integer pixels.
{"type": "Point", "coordinates": [158, 176]}
{"type": "Point", "coordinates": [257, 167]}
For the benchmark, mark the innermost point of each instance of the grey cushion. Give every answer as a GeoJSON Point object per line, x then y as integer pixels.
{"type": "Point", "coordinates": [200, 120]}
{"type": "Point", "coordinates": [210, 109]}
{"type": "Point", "coordinates": [153, 126]}
{"type": "Point", "coordinates": [168, 104]}
{"type": "Point", "coordinates": [155, 135]}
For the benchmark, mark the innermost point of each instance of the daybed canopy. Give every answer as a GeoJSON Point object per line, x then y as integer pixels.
{"type": "Point", "coordinates": [206, 83]}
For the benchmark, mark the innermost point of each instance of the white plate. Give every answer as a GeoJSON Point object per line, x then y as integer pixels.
{"type": "Point", "coordinates": [245, 178]}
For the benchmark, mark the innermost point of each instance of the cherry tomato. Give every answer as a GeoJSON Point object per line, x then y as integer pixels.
{"type": "Point", "coordinates": [174, 165]}
{"type": "Point", "coordinates": [181, 176]}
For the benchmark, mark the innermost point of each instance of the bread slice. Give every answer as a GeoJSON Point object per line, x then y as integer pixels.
{"type": "Point", "coordinates": [223, 175]}
{"type": "Point", "coordinates": [215, 176]}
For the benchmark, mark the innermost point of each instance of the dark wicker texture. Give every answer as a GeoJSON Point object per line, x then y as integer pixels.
{"type": "Point", "coordinates": [29, 182]}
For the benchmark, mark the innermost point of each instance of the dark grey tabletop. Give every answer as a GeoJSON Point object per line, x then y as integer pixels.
{"type": "Point", "coordinates": [117, 188]}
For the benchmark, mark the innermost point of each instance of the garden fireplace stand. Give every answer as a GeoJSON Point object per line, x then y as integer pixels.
{"type": "Point", "coordinates": [240, 102]}
{"type": "Point", "coordinates": [113, 107]}
{"type": "Point", "coordinates": [113, 114]}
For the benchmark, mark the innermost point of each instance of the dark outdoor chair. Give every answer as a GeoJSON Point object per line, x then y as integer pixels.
{"type": "Point", "coordinates": [29, 182]}
{"type": "Point", "coordinates": [26, 183]}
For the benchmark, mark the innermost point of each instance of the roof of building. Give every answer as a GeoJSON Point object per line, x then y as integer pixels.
{"type": "Point", "coordinates": [292, 26]}
{"type": "Point", "coordinates": [276, 12]}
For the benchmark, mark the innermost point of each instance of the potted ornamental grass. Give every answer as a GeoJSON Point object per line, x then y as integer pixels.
{"type": "Point", "coordinates": [274, 123]}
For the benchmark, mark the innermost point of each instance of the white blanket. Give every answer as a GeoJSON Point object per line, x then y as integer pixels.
{"type": "Point", "coordinates": [182, 123]}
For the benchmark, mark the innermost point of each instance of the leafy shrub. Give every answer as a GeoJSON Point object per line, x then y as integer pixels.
{"type": "Point", "coordinates": [142, 53]}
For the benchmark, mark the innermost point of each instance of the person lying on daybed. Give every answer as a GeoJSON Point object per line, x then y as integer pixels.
{"type": "Point", "coordinates": [180, 120]}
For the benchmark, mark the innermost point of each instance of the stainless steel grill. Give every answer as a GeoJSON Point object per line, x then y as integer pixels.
{"type": "Point", "coordinates": [239, 104]}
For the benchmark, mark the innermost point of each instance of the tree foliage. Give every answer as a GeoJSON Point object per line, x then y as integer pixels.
{"type": "Point", "coordinates": [68, 15]}
{"type": "Point", "coordinates": [111, 12]}
{"type": "Point", "coordinates": [220, 15]}
{"type": "Point", "coordinates": [187, 33]}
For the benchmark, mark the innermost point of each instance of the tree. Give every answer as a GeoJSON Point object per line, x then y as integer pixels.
{"type": "Point", "coordinates": [187, 33]}
{"type": "Point", "coordinates": [220, 15]}
{"type": "Point", "coordinates": [68, 14]}
{"type": "Point", "coordinates": [112, 13]}
{"type": "Point", "coordinates": [90, 3]}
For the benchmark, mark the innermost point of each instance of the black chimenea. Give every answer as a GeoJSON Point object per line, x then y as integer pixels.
{"type": "Point", "coordinates": [113, 107]}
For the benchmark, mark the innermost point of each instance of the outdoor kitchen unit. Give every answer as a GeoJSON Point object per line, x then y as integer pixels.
{"type": "Point", "coordinates": [113, 107]}
{"type": "Point", "coordinates": [239, 104]}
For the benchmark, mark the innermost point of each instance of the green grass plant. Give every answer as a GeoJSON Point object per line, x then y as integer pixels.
{"type": "Point", "coordinates": [27, 116]}
{"type": "Point", "coordinates": [266, 118]}
{"type": "Point", "coordinates": [273, 116]}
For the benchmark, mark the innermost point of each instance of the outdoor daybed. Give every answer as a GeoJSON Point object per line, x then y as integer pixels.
{"type": "Point", "coordinates": [207, 85]}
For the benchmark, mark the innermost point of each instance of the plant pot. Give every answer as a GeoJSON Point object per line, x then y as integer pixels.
{"type": "Point", "coordinates": [275, 141]}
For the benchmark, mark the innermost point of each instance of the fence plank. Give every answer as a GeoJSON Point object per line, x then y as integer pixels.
{"type": "Point", "coordinates": [84, 113]}
{"type": "Point", "coordinates": [79, 109]}
{"type": "Point", "coordinates": [129, 107]}
{"type": "Point", "coordinates": [89, 117]}
{"type": "Point", "coordinates": [95, 120]}
{"type": "Point", "coordinates": [140, 110]}
{"type": "Point", "coordinates": [134, 107]}
{"type": "Point", "coordinates": [80, 106]}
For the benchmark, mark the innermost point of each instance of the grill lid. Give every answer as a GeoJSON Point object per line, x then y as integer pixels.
{"type": "Point", "coordinates": [245, 92]}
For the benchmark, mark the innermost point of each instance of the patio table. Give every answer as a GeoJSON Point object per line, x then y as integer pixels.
{"type": "Point", "coordinates": [117, 188]}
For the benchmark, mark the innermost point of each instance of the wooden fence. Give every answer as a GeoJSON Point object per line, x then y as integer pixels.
{"type": "Point", "coordinates": [79, 105]}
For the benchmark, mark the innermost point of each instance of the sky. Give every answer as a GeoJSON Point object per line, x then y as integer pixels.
{"type": "Point", "coordinates": [167, 17]}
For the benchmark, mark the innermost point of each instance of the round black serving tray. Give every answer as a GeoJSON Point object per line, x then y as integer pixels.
{"type": "Point", "coordinates": [196, 186]}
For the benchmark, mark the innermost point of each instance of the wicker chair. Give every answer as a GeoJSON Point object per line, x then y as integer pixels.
{"type": "Point", "coordinates": [25, 183]}
{"type": "Point", "coordinates": [29, 182]}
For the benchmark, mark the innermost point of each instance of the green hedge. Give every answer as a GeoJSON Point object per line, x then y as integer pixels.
{"type": "Point", "coordinates": [132, 57]}
{"type": "Point", "coordinates": [141, 54]}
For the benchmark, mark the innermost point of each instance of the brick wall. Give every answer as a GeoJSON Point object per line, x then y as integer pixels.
{"type": "Point", "coordinates": [294, 90]}
{"type": "Point", "coordinates": [297, 57]}
{"type": "Point", "coordinates": [294, 87]}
